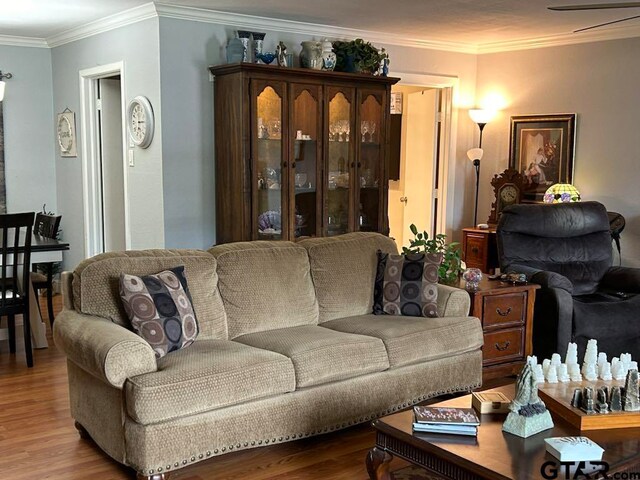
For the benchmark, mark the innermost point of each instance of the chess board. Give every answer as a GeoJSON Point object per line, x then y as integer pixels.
{"type": "Point", "coordinates": [557, 397]}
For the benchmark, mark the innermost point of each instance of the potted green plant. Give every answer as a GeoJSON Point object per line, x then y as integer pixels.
{"type": "Point", "coordinates": [358, 56]}
{"type": "Point", "coordinates": [451, 265]}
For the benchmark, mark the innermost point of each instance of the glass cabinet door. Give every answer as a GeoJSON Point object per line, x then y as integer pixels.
{"type": "Point", "coordinates": [269, 166]}
{"type": "Point", "coordinates": [306, 140]}
{"type": "Point", "coordinates": [371, 155]}
{"type": "Point", "coordinates": [340, 165]}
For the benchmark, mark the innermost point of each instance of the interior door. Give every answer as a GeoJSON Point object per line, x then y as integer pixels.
{"type": "Point", "coordinates": [112, 164]}
{"type": "Point", "coordinates": [420, 153]}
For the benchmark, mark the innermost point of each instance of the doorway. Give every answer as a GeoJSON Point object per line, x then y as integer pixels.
{"type": "Point", "coordinates": [413, 186]}
{"type": "Point", "coordinates": [104, 160]}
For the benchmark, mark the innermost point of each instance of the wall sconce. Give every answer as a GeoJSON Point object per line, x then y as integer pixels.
{"type": "Point", "coordinates": [475, 155]}
{"type": "Point", "coordinates": [2, 83]}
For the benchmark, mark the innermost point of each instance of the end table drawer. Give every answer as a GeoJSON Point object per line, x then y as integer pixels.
{"type": "Point", "coordinates": [503, 345]}
{"type": "Point", "coordinates": [475, 247]}
{"type": "Point", "coordinates": [500, 310]}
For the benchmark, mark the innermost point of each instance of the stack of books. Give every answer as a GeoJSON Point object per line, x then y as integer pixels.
{"type": "Point", "coordinates": [455, 421]}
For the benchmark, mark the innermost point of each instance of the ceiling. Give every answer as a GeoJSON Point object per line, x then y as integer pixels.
{"type": "Point", "coordinates": [471, 22]}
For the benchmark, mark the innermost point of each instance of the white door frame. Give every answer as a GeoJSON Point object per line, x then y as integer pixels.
{"type": "Point", "coordinates": [449, 120]}
{"type": "Point", "coordinates": [91, 174]}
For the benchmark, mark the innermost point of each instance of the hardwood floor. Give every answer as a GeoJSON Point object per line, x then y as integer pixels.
{"type": "Point", "coordinates": [38, 439]}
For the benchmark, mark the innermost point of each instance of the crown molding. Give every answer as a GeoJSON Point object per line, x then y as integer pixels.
{"type": "Point", "coordinates": [311, 29]}
{"type": "Point", "coordinates": [16, 41]}
{"type": "Point", "coordinates": [154, 10]}
{"type": "Point", "coordinates": [127, 17]}
{"type": "Point", "coordinates": [600, 35]}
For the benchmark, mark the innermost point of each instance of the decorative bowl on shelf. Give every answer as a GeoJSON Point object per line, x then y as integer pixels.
{"type": "Point", "coordinates": [267, 57]}
{"type": "Point", "coordinates": [472, 277]}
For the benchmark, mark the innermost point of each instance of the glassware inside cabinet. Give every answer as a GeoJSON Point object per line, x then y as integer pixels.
{"type": "Point", "coordinates": [268, 160]}
{"type": "Point", "coordinates": [369, 167]}
{"type": "Point", "coordinates": [339, 157]}
{"type": "Point", "coordinates": [305, 127]}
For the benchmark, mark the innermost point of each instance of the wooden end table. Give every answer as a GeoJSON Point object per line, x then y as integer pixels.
{"type": "Point", "coordinates": [506, 313]}
{"type": "Point", "coordinates": [493, 454]}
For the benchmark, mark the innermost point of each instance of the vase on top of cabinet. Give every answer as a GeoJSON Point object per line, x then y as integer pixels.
{"type": "Point", "coordinates": [301, 153]}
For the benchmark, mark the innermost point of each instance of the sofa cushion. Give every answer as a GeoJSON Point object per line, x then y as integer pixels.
{"type": "Point", "coordinates": [321, 355]}
{"type": "Point", "coordinates": [344, 271]}
{"type": "Point", "coordinates": [209, 374]}
{"type": "Point", "coordinates": [265, 285]}
{"type": "Point", "coordinates": [96, 285]}
{"type": "Point", "coordinates": [415, 339]}
{"type": "Point", "coordinates": [407, 284]}
{"type": "Point", "coordinates": [160, 309]}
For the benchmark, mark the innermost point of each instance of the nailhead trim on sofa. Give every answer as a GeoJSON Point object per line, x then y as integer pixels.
{"type": "Point", "coordinates": [393, 408]}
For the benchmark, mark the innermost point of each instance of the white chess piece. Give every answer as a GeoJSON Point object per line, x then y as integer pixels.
{"type": "Point", "coordinates": [532, 360]}
{"type": "Point", "coordinates": [563, 373]}
{"type": "Point", "coordinates": [633, 365]}
{"type": "Point", "coordinates": [574, 372]}
{"type": "Point", "coordinates": [604, 371]}
{"type": "Point", "coordinates": [618, 372]}
{"type": "Point", "coordinates": [591, 374]}
{"type": "Point", "coordinates": [538, 374]}
{"type": "Point", "coordinates": [552, 374]}
{"type": "Point", "coordinates": [545, 366]}
{"type": "Point", "coordinates": [590, 356]}
{"type": "Point", "coordinates": [572, 354]}
{"type": "Point", "coordinates": [555, 359]}
{"type": "Point", "coordinates": [602, 358]}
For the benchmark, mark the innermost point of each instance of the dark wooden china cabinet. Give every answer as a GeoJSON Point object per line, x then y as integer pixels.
{"type": "Point", "coordinates": [299, 152]}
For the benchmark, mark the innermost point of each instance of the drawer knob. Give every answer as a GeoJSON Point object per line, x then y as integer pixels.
{"type": "Point", "coordinates": [503, 314]}
{"type": "Point", "coordinates": [475, 250]}
{"type": "Point", "coordinates": [503, 347]}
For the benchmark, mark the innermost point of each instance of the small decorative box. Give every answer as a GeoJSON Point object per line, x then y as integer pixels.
{"type": "Point", "coordinates": [490, 402]}
{"type": "Point", "coordinates": [574, 449]}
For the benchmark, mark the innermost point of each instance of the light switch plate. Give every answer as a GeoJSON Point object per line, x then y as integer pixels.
{"type": "Point", "coordinates": [131, 158]}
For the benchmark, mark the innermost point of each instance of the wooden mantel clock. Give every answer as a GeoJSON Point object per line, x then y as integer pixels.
{"type": "Point", "coordinates": [508, 188]}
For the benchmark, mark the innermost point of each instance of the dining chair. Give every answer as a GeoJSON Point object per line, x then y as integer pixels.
{"type": "Point", "coordinates": [15, 255]}
{"type": "Point", "coordinates": [46, 226]}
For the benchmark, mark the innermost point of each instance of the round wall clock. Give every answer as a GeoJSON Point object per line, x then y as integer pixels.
{"type": "Point", "coordinates": [140, 120]}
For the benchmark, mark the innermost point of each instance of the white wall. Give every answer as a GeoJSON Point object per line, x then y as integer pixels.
{"type": "Point", "coordinates": [29, 127]}
{"type": "Point", "coordinates": [138, 46]}
{"type": "Point", "coordinates": [186, 49]}
{"type": "Point", "coordinates": [599, 82]}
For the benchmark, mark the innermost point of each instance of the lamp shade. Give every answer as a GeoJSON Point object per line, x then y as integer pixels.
{"type": "Point", "coordinates": [481, 116]}
{"type": "Point", "coordinates": [475, 154]}
{"type": "Point", "coordinates": [561, 193]}
{"type": "Point", "coordinates": [1, 90]}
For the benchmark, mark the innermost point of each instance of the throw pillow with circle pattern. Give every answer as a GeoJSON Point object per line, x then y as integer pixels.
{"type": "Point", "coordinates": [407, 284]}
{"type": "Point", "coordinates": [160, 309]}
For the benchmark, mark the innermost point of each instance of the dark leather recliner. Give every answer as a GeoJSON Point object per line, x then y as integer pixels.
{"type": "Point", "coordinates": [566, 248]}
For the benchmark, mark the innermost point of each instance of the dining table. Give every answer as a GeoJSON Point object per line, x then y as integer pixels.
{"type": "Point", "coordinates": [43, 250]}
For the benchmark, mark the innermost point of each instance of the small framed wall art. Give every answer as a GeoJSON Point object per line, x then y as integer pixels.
{"type": "Point", "coordinates": [542, 149]}
{"type": "Point", "coordinates": [66, 128]}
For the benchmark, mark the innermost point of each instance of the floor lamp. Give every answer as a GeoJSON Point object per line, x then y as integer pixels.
{"type": "Point", "coordinates": [475, 155]}
{"type": "Point", "coordinates": [480, 117]}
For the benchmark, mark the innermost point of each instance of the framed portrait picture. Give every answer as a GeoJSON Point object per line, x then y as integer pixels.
{"type": "Point", "coordinates": [542, 149]}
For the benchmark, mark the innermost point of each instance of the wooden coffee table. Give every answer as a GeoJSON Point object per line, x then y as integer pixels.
{"type": "Point", "coordinates": [493, 454]}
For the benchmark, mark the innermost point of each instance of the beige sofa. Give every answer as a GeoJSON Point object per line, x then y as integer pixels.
{"type": "Point", "coordinates": [288, 348]}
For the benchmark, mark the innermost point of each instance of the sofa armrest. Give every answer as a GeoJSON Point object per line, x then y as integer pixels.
{"type": "Point", "coordinates": [622, 279]}
{"type": "Point", "coordinates": [453, 302]}
{"type": "Point", "coordinates": [104, 349]}
{"type": "Point", "coordinates": [544, 278]}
